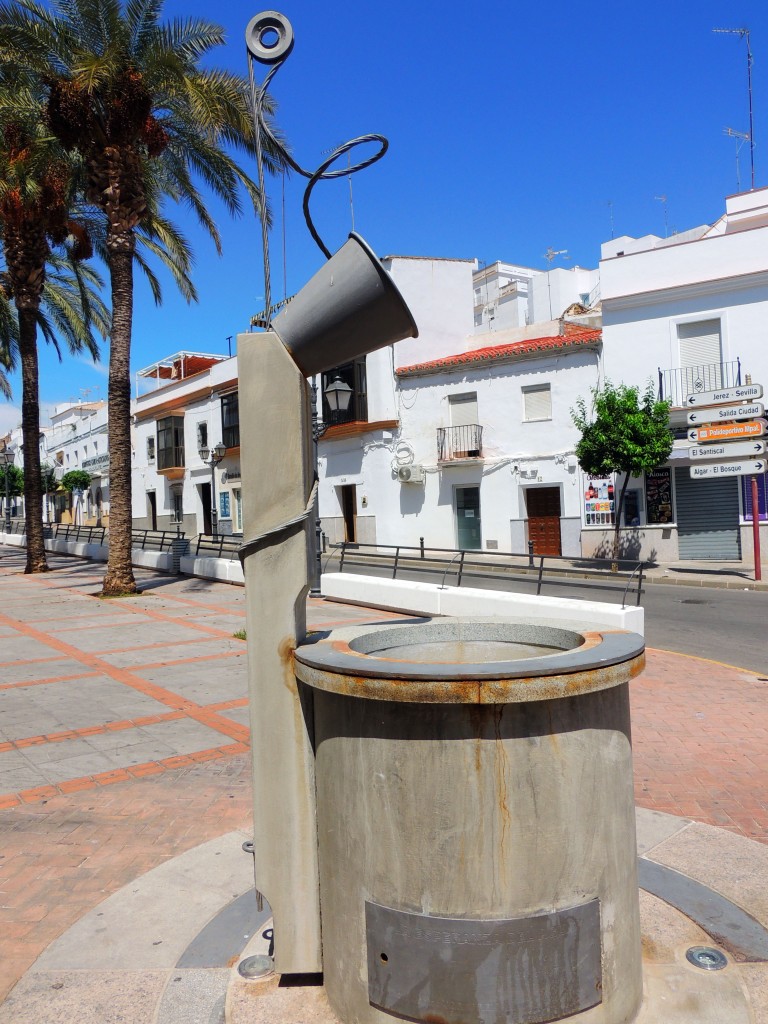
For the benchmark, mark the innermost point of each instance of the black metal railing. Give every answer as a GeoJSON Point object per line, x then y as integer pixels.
{"type": "Point", "coordinates": [675, 385]}
{"type": "Point", "coordinates": [465, 442]}
{"type": "Point", "coordinates": [155, 540]}
{"type": "Point", "coordinates": [219, 546]}
{"type": "Point", "coordinates": [17, 525]}
{"type": "Point", "coordinates": [76, 532]}
{"type": "Point", "coordinates": [624, 576]}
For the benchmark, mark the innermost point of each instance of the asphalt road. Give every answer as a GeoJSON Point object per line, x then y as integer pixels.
{"type": "Point", "coordinates": [724, 625]}
{"type": "Point", "coordinates": [729, 626]}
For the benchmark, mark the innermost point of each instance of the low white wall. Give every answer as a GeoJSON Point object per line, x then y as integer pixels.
{"type": "Point", "coordinates": [431, 599]}
{"type": "Point", "coordinates": [162, 560]}
{"type": "Point", "coordinates": [226, 570]}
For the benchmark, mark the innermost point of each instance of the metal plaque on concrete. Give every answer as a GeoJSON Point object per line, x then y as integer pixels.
{"type": "Point", "coordinates": [526, 970]}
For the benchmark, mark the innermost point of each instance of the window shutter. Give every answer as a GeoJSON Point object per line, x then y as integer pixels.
{"type": "Point", "coordinates": [463, 409]}
{"type": "Point", "coordinates": [537, 402]}
{"type": "Point", "coordinates": [699, 343]}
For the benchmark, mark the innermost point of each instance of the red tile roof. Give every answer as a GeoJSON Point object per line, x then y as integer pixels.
{"type": "Point", "coordinates": [573, 337]}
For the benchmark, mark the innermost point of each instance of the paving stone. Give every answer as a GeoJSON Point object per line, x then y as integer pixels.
{"type": "Point", "coordinates": [210, 681]}
{"type": "Point", "coordinates": [92, 997]}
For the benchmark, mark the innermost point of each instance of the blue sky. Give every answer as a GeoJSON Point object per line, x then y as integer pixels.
{"type": "Point", "coordinates": [512, 129]}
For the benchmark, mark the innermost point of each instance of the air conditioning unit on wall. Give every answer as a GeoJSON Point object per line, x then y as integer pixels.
{"type": "Point", "coordinates": [411, 474]}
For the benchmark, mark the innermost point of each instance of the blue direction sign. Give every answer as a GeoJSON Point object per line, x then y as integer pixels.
{"type": "Point", "coordinates": [718, 413]}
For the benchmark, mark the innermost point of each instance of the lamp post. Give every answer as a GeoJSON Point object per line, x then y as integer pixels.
{"type": "Point", "coordinates": [212, 457]}
{"type": "Point", "coordinates": [6, 461]}
{"type": "Point", "coordinates": [338, 395]}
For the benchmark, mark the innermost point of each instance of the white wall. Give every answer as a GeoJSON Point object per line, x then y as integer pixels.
{"type": "Point", "coordinates": [518, 454]}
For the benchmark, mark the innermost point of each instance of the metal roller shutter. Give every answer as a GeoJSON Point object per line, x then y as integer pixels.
{"type": "Point", "coordinates": [707, 517]}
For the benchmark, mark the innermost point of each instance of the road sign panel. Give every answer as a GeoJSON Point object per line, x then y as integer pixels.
{"type": "Point", "coordinates": [746, 467]}
{"type": "Point", "coordinates": [718, 413]}
{"type": "Point", "coordinates": [743, 393]}
{"type": "Point", "coordinates": [728, 432]}
{"type": "Point", "coordinates": [728, 450]}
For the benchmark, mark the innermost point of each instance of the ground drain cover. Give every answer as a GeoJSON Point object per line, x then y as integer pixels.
{"type": "Point", "coordinates": [706, 957]}
{"type": "Point", "coordinates": [256, 967]}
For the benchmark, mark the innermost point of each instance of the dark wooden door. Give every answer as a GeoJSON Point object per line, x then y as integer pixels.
{"type": "Point", "coordinates": [349, 511]}
{"type": "Point", "coordinates": [543, 505]}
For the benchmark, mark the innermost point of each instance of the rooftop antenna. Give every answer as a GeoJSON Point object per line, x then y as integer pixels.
{"type": "Point", "coordinates": [550, 255]}
{"type": "Point", "coordinates": [743, 33]}
{"type": "Point", "coordinates": [741, 138]}
{"type": "Point", "coordinates": [663, 201]}
{"type": "Point", "coordinates": [610, 213]}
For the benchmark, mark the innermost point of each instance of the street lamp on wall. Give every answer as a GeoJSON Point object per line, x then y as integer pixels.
{"type": "Point", "coordinates": [6, 461]}
{"type": "Point", "coordinates": [212, 457]}
{"type": "Point", "coordinates": [338, 395]}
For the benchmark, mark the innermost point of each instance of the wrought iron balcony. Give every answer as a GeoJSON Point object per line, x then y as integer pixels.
{"type": "Point", "coordinates": [675, 385]}
{"type": "Point", "coordinates": [465, 442]}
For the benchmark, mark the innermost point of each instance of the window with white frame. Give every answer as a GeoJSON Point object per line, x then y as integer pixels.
{"type": "Point", "coordinates": [202, 435]}
{"type": "Point", "coordinates": [150, 449]}
{"type": "Point", "coordinates": [537, 402]}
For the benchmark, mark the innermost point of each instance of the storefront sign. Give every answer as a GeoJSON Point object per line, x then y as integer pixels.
{"type": "Point", "coordinates": [97, 464]}
{"type": "Point", "coordinates": [658, 496]}
{"type": "Point", "coordinates": [599, 507]}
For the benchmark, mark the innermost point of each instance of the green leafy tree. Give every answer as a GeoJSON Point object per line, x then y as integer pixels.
{"type": "Point", "coordinates": [625, 431]}
{"type": "Point", "coordinates": [76, 480]}
{"type": "Point", "coordinates": [15, 481]}
{"type": "Point", "coordinates": [128, 94]}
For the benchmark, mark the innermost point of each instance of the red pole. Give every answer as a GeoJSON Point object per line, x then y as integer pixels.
{"type": "Point", "coordinates": [756, 529]}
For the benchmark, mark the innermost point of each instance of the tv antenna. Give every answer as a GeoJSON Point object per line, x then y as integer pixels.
{"type": "Point", "coordinates": [743, 33]}
{"type": "Point", "coordinates": [610, 213]}
{"type": "Point", "coordinates": [550, 255]}
{"type": "Point", "coordinates": [663, 201]}
{"type": "Point", "coordinates": [741, 138]}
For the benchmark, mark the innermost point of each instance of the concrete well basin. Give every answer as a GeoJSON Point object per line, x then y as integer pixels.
{"type": "Point", "coordinates": [476, 827]}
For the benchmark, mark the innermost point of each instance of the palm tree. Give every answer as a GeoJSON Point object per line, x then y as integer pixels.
{"type": "Point", "coordinates": [127, 93]}
{"type": "Point", "coordinates": [36, 195]}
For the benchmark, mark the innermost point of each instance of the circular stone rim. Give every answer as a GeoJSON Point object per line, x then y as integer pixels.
{"type": "Point", "coordinates": [594, 650]}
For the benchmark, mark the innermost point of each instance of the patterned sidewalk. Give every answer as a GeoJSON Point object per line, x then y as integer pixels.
{"type": "Point", "coordinates": [123, 738]}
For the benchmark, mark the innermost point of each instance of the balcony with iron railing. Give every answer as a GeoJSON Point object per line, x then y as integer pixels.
{"type": "Point", "coordinates": [677, 384]}
{"type": "Point", "coordinates": [456, 443]}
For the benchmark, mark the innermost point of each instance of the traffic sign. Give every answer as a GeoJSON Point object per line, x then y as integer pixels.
{"type": "Point", "coordinates": [747, 467]}
{"type": "Point", "coordinates": [728, 432]}
{"type": "Point", "coordinates": [728, 450]}
{"type": "Point", "coordinates": [745, 393]}
{"type": "Point", "coordinates": [718, 413]}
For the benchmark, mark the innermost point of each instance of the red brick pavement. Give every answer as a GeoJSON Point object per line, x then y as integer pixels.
{"type": "Point", "coordinates": [700, 740]}
{"type": "Point", "coordinates": [700, 733]}
{"type": "Point", "coordinates": [61, 856]}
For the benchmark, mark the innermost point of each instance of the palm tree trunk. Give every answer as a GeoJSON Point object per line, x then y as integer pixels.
{"type": "Point", "coordinates": [30, 427]}
{"type": "Point", "coordinates": [119, 578]}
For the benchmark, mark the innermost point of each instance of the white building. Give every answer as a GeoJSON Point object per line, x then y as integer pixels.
{"type": "Point", "coordinates": [690, 312]}
{"type": "Point", "coordinates": [77, 439]}
{"type": "Point", "coordinates": [486, 428]}
{"type": "Point", "coordinates": [192, 403]}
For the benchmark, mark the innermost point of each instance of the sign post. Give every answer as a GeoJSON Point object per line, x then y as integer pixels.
{"type": "Point", "coordinates": [716, 419]}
